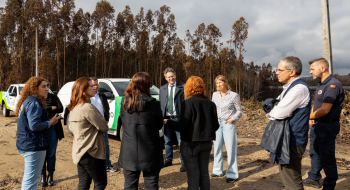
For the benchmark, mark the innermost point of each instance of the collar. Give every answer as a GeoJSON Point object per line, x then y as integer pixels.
{"type": "Point", "coordinates": [285, 86]}
{"type": "Point", "coordinates": [173, 85]}
{"type": "Point", "coordinates": [97, 95]}
{"type": "Point", "coordinates": [326, 80]}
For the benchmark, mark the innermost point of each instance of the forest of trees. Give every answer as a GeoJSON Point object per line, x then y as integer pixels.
{"type": "Point", "coordinates": [103, 44]}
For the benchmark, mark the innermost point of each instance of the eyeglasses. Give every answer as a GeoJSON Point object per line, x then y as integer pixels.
{"type": "Point", "coordinates": [280, 70]}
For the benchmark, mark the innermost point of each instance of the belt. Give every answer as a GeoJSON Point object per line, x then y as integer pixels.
{"type": "Point", "coordinates": [171, 117]}
{"type": "Point", "coordinates": [327, 120]}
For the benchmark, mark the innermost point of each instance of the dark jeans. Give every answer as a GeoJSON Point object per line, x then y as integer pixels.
{"type": "Point", "coordinates": [291, 175]}
{"type": "Point", "coordinates": [196, 160]}
{"type": "Point", "coordinates": [168, 138]}
{"type": "Point", "coordinates": [322, 152]}
{"type": "Point", "coordinates": [50, 158]}
{"type": "Point", "coordinates": [132, 179]}
{"type": "Point", "coordinates": [90, 168]}
{"type": "Point", "coordinates": [108, 161]}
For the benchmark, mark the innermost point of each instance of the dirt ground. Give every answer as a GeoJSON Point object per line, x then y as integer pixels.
{"type": "Point", "coordinates": [255, 169]}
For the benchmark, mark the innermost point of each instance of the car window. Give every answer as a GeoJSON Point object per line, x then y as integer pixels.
{"type": "Point", "coordinates": [121, 87]}
{"type": "Point", "coordinates": [14, 90]}
{"type": "Point", "coordinates": [10, 89]}
{"type": "Point", "coordinates": [20, 90]}
{"type": "Point", "coordinates": [103, 87]}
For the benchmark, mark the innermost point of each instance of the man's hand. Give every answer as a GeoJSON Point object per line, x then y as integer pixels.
{"type": "Point", "coordinates": [53, 107]}
{"type": "Point", "coordinates": [312, 122]}
{"type": "Point", "coordinates": [164, 121]}
{"type": "Point", "coordinates": [229, 121]}
{"type": "Point", "coordinates": [55, 119]}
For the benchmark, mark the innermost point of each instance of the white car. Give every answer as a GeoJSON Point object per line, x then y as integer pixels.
{"type": "Point", "coordinates": [10, 98]}
{"type": "Point", "coordinates": [114, 89]}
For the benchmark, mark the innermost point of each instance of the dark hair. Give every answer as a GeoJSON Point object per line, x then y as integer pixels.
{"type": "Point", "coordinates": [294, 63]}
{"type": "Point", "coordinates": [323, 60]}
{"type": "Point", "coordinates": [79, 92]}
{"type": "Point", "coordinates": [93, 78]}
{"type": "Point", "coordinates": [31, 88]}
{"type": "Point", "coordinates": [139, 86]}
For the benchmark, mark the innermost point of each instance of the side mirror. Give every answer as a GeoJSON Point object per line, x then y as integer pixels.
{"type": "Point", "coordinates": [109, 95]}
{"type": "Point", "coordinates": [13, 94]}
{"type": "Point", "coordinates": [55, 93]}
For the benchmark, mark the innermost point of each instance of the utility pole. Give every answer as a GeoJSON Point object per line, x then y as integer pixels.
{"type": "Point", "coordinates": [36, 52]}
{"type": "Point", "coordinates": [326, 34]}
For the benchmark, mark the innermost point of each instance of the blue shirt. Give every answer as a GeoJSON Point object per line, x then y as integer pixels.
{"type": "Point", "coordinates": [330, 91]}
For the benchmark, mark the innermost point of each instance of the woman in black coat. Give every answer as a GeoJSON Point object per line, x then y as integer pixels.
{"type": "Point", "coordinates": [141, 148]}
{"type": "Point", "coordinates": [54, 106]}
{"type": "Point", "coordinates": [197, 126]}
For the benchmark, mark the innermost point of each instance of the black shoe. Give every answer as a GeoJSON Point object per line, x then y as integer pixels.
{"type": "Point", "coordinates": [43, 182]}
{"type": "Point", "coordinates": [50, 179]}
{"type": "Point", "coordinates": [168, 163]}
{"type": "Point", "coordinates": [311, 183]}
{"type": "Point", "coordinates": [230, 180]}
{"type": "Point", "coordinates": [112, 169]}
{"type": "Point", "coordinates": [214, 175]}
{"type": "Point", "coordinates": [183, 168]}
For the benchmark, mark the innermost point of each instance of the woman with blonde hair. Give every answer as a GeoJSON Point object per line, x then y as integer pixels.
{"type": "Point", "coordinates": [197, 126]}
{"type": "Point", "coordinates": [229, 109]}
{"type": "Point", "coordinates": [88, 126]}
{"type": "Point", "coordinates": [34, 129]}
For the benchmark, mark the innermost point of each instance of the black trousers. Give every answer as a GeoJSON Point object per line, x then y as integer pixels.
{"type": "Point", "coordinates": [132, 179]}
{"type": "Point", "coordinates": [322, 152]}
{"type": "Point", "coordinates": [90, 168]}
{"type": "Point", "coordinates": [196, 159]}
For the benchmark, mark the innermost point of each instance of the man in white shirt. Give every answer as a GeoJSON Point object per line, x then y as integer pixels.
{"type": "Point", "coordinates": [100, 102]}
{"type": "Point", "coordinates": [294, 106]}
{"type": "Point", "coordinates": [171, 96]}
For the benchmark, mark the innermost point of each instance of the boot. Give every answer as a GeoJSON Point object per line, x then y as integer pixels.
{"type": "Point", "coordinates": [43, 182]}
{"type": "Point", "coordinates": [50, 179]}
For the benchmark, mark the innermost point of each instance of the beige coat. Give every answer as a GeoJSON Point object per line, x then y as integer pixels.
{"type": "Point", "coordinates": [87, 125]}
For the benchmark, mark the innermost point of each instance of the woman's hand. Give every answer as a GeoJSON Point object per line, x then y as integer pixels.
{"type": "Point", "coordinates": [55, 119]}
{"type": "Point", "coordinates": [164, 122]}
{"type": "Point", "coordinates": [312, 122]}
{"type": "Point", "coordinates": [53, 107]}
{"type": "Point", "coordinates": [229, 121]}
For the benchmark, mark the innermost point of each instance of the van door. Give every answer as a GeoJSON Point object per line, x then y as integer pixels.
{"type": "Point", "coordinates": [104, 87]}
{"type": "Point", "coordinates": [13, 97]}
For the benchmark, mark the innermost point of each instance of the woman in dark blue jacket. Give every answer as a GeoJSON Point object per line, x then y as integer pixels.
{"type": "Point", "coordinates": [33, 129]}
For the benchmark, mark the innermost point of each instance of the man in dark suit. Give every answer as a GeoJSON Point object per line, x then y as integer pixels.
{"type": "Point", "coordinates": [171, 96]}
{"type": "Point", "coordinates": [101, 103]}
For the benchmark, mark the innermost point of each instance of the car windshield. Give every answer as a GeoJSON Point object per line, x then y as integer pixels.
{"type": "Point", "coordinates": [121, 86]}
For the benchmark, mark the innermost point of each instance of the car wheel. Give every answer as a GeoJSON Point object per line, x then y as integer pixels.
{"type": "Point", "coordinates": [121, 133]}
{"type": "Point", "coordinates": [68, 126]}
{"type": "Point", "coordinates": [5, 111]}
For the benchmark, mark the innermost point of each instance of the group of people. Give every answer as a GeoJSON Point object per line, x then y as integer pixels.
{"type": "Point", "coordinates": [185, 113]}
{"type": "Point", "coordinates": [295, 106]}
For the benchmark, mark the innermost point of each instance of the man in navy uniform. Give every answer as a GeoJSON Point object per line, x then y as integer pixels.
{"type": "Point", "coordinates": [324, 119]}
{"type": "Point", "coordinates": [171, 96]}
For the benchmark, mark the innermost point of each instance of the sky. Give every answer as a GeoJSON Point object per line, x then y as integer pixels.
{"type": "Point", "coordinates": [277, 28]}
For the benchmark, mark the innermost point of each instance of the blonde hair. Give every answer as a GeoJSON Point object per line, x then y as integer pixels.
{"type": "Point", "coordinates": [224, 79]}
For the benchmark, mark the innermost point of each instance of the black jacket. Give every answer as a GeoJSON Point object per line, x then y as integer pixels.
{"type": "Point", "coordinates": [178, 98]}
{"type": "Point", "coordinates": [53, 100]}
{"type": "Point", "coordinates": [198, 121]}
{"type": "Point", "coordinates": [105, 105]}
{"type": "Point", "coordinates": [141, 148]}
